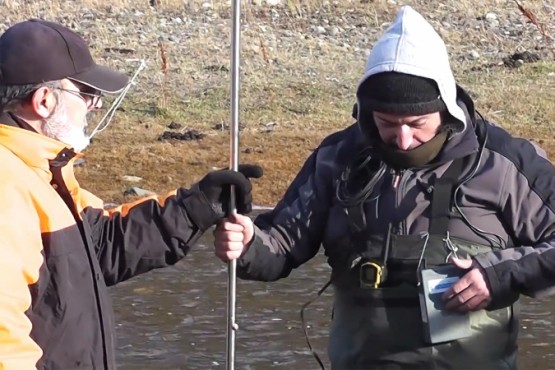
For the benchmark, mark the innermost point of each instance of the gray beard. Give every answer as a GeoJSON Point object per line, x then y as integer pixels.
{"type": "Point", "coordinates": [58, 128]}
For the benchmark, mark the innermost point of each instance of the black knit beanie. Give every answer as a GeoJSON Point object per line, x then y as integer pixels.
{"type": "Point", "coordinates": [400, 93]}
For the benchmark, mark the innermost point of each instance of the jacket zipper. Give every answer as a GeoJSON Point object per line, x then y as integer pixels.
{"type": "Point", "coordinates": [399, 180]}
{"type": "Point", "coordinates": [64, 193]}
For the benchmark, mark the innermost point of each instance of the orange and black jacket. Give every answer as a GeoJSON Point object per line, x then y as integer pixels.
{"type": "Point", "coordinates": [61, 249]}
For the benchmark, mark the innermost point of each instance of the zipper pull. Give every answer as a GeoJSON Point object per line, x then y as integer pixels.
{"type": "Point", "coordinates": [396, 179]}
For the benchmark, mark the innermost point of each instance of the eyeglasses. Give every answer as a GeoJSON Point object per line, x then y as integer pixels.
{"type": "Point", "coordinates": [91, 98]}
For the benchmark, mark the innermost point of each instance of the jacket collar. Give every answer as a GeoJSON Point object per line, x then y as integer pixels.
{"type": "Point", "coordinates": [11, 119]}
{"type": "Point", "coordinates": [36, 150]}
{"type": "Point", "coordinates": [462, 143]}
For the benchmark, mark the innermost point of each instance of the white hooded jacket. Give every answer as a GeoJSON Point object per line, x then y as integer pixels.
{"type": "Point", "coordinates": [411, 46]}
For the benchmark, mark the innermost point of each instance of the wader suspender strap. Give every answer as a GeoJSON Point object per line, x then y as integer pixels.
{"type": "Point", "coordinates": [442, 198]}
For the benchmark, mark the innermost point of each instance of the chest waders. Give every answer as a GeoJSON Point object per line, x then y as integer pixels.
{"type": "Point", "coordinates": [377, 321]}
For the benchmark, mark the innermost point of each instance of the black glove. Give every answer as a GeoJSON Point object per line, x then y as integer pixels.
{"type": "Point", "coordinates": [217, 190]}
{"type": "Point", "coordinates": [208, 200]}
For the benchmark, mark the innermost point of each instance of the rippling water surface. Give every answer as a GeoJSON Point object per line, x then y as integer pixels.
{"type": "Point", "coordinates": [175, 318]}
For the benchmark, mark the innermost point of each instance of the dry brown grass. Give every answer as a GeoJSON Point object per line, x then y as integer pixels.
{"type": "Point", "coordinates": [302, 90]}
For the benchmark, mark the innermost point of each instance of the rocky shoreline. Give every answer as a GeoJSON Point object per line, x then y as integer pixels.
{"type": "Point", "coordinates": [477, 35]}
{"type": "Point", "coordinates": [301, 62]}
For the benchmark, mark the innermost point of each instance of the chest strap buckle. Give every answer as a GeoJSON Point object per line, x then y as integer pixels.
{"type": "Point", "coordinates": [372, 274]}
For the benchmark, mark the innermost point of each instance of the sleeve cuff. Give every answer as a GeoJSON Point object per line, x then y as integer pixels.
{"type": "Point", "coordinates": [198, 208]}
{"type": "Point", "coordinates": [500, 291]}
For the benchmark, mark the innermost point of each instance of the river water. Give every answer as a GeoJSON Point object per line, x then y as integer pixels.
{"type": "Point", "coordinates": [175, 318]}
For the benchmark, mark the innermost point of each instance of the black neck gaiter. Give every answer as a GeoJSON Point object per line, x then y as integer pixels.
{"type": "Point", "coordinates": [417, 157]}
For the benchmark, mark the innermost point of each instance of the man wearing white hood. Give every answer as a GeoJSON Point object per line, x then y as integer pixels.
{"type": "Point", "coordinates": [429, 183]}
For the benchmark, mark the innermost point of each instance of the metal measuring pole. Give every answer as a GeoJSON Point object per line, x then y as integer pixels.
{"type": "Point", "coordinates": [233, 164]}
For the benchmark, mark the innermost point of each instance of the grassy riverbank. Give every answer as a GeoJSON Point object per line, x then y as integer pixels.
{"type": "Point", "coordinates": [300, 66]}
